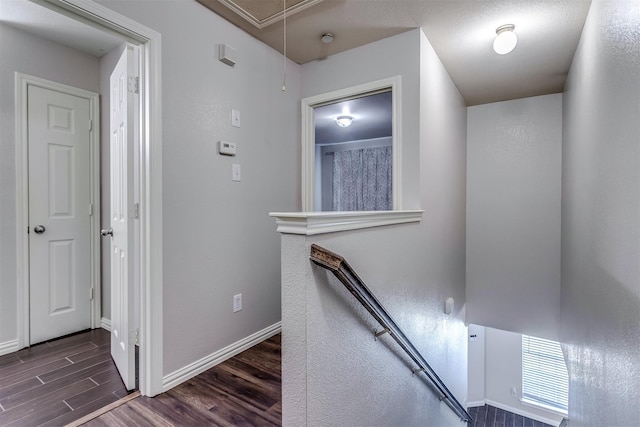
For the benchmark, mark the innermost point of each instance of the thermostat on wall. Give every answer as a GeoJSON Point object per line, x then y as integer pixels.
{"type": "Point", "coordinates": [227, 148]}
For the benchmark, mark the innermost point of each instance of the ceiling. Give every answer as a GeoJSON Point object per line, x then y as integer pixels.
{"type": "Point", "coordinates": [372, 118]}
{"type": "Point", "coordinates": [461, 32]}
{"type": "Point", "coordinates": [43, 22]}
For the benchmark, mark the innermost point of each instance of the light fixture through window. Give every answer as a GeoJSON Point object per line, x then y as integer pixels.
{"type": "Point", "coordinates": [505, 40]}
{"type": "Point", "coordinates": [344, 121]}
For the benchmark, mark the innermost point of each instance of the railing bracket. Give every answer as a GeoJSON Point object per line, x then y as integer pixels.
{"type": "Point", "coordinates": [379, 333]}
{"type": "Point", "coordinates": [416, 371]}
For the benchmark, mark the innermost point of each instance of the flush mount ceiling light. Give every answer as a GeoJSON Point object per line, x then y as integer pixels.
{"type": "Point", "coordinates": [344, 121]}
{"type": "Point", "coordinates": [327, 38]}
{"type": "Point", "coordinates": [505, 40]}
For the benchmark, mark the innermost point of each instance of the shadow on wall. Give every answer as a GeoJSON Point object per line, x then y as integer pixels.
{"type": "Point", "coordinates": [353, 312]}
{"type": "Point", "coordinates": [601, 348]}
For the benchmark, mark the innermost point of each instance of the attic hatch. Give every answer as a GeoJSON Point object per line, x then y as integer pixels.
{"type": "Point", "coordinates": [260, 13]}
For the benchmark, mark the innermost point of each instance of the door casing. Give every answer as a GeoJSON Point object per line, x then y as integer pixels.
{"type": "Point", "coordinates": [149, 174]}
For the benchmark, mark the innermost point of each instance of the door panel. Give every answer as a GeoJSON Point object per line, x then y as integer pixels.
{"type": "Point", "coordinates": [59, 197]}
{"type": "Point", "coordinates": [122, 237]}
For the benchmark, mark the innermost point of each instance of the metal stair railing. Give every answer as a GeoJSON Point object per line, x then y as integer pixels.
{"type": "Point", "coordinates": [343, 272]}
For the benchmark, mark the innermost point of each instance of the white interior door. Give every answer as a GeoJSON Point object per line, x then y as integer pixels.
{"type": "Point", "coordinates": [122, 224]}
{"type": "Point", "coordinates": [59, 213]}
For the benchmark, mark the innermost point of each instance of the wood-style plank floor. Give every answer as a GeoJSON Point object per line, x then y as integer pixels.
{"type": "Point", "coordinates": [490, 416]}
{"type": "Point", "coordinates": [59, 381]}
{"type": "Point", "coordinates": [242, 391]}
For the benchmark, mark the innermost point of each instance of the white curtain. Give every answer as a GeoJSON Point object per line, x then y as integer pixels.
{"type": "Point", "coordinates": [362, 180]}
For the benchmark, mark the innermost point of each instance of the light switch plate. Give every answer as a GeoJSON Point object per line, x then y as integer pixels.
{"type": "Point", "coordinates": [235, 118]}
{"type": "Point", "coordinates": [235, 172]}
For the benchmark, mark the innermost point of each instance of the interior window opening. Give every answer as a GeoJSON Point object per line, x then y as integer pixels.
{"type": "Point", "coordinates": [354, 153]}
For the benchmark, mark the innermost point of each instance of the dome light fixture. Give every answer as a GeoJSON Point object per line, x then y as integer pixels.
{"type": "Point", "coordinates": [505, 40]}
{"type": "Point", "coordinates": [344, 121]}
{"type": "Point", "coordinates": [327, 38]}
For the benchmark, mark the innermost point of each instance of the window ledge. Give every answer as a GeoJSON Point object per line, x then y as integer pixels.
{"type": "Point", "coordinates": [542, 406]}
{"type": "Point", "coordinates": [311, 223]}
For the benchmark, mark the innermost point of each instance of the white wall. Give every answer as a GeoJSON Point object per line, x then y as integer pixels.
{"type": "Point", "coordinates": [218, 239]}
{"type": "Point", "coordinates": [363, 65]}
{"type": "Point", "coordinates": [334, 373]}
{"type": "Point", "coordinates": [35, 56]}
{"type": "Point", "coordinates": [601, 219]}
{"type": "Point", "coordinates": [503, 372]}
{"type": "Point", "coordinates": [476, 366]}
{"type": "Point", "coordinates": [513, 215]}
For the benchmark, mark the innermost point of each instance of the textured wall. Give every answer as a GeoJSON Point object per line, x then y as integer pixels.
{"type": "Point", "coordinates": [218, 239]}
{"type": "Point", "coordinates": [38, 57]}
{"type": "Point", "coordinates": [513, 215]}
{"type": "Point", "coordinates": [334, 372]}
{"type": "Point", "coordinates": [601, 219]}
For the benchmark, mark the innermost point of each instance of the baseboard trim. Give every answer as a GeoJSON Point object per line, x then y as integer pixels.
{"type": "Point", "coordinates": [8, 347]}
{"type": "Point", "coordinates": [527, 414]}
{"type": "Point", "coordinates": [105, 324]}
{"type": "Point", "coordinates": [475, 403]}
{"type": "Point", "coordinates": [199, 366]}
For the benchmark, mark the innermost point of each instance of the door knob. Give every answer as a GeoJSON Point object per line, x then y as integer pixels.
{"type": "Point", "coordinates": [39, 229]}
{"type": "Point", "coordinates": [107, 232]}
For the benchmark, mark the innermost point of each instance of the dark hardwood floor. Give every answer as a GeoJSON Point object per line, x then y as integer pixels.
{"type": "Point", "coordinates": [59, 381]}
{"type": "Point", "coordinates": [242, 391]}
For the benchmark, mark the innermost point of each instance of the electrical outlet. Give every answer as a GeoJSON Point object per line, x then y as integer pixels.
{"type": "Point", "coordinates": [237, 303]}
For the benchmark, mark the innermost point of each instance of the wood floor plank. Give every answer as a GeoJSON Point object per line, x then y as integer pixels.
{"type": "Point", "coordinates": [98, 392]}
{"type": "Point", "coordinates": [103, 349]}
{"type": "Point", "coordinates": [242, 391]}
{"type": "Point", "coordinates": [19, 387]}
{"type": "Point", "coordinates": [73, 368]}
{"type": "Point", "coordinates": [38, 415]}
{"type": "Point", "coordinates": [176, 411]}
{"type": "Point", "coordinates": [253, 393]}
{"type": "Point", "coordinates": [30, 372]}
{"type": "Point", "coordinates": [80, 412]}
{"type": "Point", "coordinates": [44, 354]}
{"type": "Point", "coordinates": [50, 387]}
{"type": "Point", "coordinates": [57, 395]}
{"type": "Point", "coordinates": [128, 415]}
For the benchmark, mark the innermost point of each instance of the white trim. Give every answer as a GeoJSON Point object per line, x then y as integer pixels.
{"type": "Point", "coordinates": [263, 23]}
{"type": "Point", "coordinates": [308, 135]}
{"type": "Point", "coordinates": [149, 42]}
{"type": "Point", "coordinates": [476, 403]}
{"type": "Point", "coordinates": [526, 414]}
{"type": "Point", "coordinates": [22, 82]}
{"type": "Point", "coordinates": [191, 370]}
{"type": "Point", "coordinates": [9, 347]}
{"type": "Point", "coordinates": [105, 324]}
{"type": "Point", "coordinates": [311, 223]}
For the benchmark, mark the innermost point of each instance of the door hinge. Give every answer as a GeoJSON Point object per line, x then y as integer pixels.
{"type": "Point", "coordinates": [136, 211]}
{"type": "Point", "coordinates": [27, 229]}
{"type": "Point", "coordinates": [90, 209]}
{"type": "Point", "coordinates": [91, 293]}
{"type": "Point", "coordinates": [90, 125]}
{"type": "Point", "coordinates": [133, 84]}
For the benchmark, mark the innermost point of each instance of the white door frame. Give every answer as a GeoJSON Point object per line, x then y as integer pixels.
{"type": "Point", "coordinates": [22, 82]}
{"type": "Point", "coordinates": [150, 178]}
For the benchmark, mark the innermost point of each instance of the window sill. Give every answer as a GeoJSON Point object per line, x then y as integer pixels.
{"type": "Point", "coordinates": [312, 223]}
{"type": "Point", "coordinates": [541, 406]}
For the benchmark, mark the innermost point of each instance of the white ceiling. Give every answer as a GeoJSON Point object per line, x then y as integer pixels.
{"type": "Point", "coordinates": [50, 25]}
{"type": "Point", "coordinates": [461, 32]}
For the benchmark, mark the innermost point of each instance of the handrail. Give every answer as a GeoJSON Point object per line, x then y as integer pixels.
{"type": "Point", "coordinates": [343, 271]}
